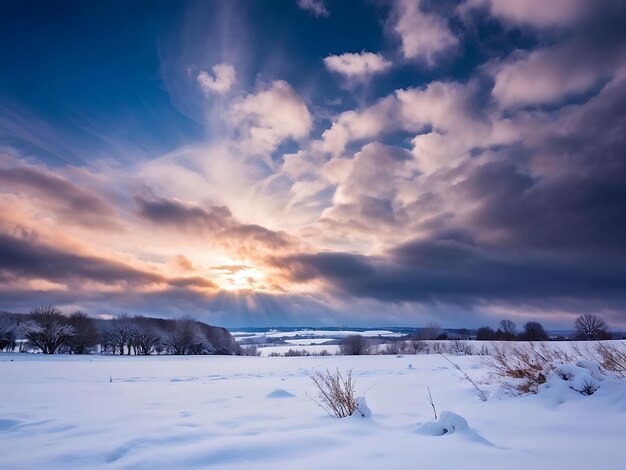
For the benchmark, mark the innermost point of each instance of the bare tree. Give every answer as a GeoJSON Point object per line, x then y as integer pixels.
{"type": "Point", "coordinates": [356, 345]}
{"type": "Point", "coordinates": [47, 329]}
{"type": "Point", "coordinates": [7, 333]}
{"type": "Point", "coordinates": [187, 339]}
{"type": "Point", "coordinates": [534, 331]}
{"type": "Point", "coordinates": [591, 327]}
{"type": "Point", "coordinates": [147, 340]}
{"type": "Point", "coordinates": [508, 329]}
{"type": "Point", "coordinates": [86, 335]}
{"type": "Point", "coordinates": [120, 334]}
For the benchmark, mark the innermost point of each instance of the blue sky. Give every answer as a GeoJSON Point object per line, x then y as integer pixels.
{"type": "Point", "coordinates": [315, 162]}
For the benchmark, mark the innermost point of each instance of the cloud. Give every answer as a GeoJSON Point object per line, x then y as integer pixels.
{"type": "Point", "coordinates": [213, 224]}
{"type": "Point", "coordinates": [71, 203]}
{"type": "Point", "coordinates": [26, 258]}
{"type": "Point", "coordinates": [316, 7]}
{"type": "Point", "coordinates": [357, 65]}
{"type": "Point", "coordinates": [425, 36]}
{"type": "Point", "coordinates": [535, 13]}
{"type": "Point", "coordinates": [450, 272]}
{"type": "Point", "coordinates": [595, 49]}
{"type": "Point", "coordinates": [270, 116]}
{"type": "Point", "coordinates": [363, 201]}
{"type": "Point", "coordinates": [220, 82]}
{"type": "Point", "coordinates": [356, 125]}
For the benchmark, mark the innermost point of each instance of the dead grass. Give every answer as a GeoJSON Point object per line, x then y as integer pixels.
{"type": "Point", "coordinates": [336, 393]}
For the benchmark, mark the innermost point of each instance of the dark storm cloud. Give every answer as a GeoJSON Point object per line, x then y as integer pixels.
{"type": "Point", "coordinates": [451, 272]}
{"type": "Point", "coordinates": [576, 196]}
{"type": "Point", "coordinates": [213, 220]}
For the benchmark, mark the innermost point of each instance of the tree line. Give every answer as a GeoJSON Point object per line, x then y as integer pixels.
{"type": "Point", "coordinates": [586, 328]}
{"type": "Point", "coordinates": [47, 330]}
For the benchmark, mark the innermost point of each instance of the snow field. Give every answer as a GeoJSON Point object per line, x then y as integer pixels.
{"type": "Point", "coordinates": [253, 412]}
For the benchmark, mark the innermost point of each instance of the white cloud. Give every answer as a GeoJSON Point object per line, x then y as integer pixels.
{"type": "Point", "coordinates": [270, 116]}
{"type": "Point", "coordinates": [355, 65]}
{"type": "Point", "coordinates": [424, 36]}
{"type": "Point", "coordinates": [537, 13]}
{"type": "Point", "coordinates": [359, 124]}
{"type": "Point", "coordinates": [551, 74]}
{"type": "Point", "coordinates": [316, 7]}
{"type": "Point", "coordinates": [221, 81]}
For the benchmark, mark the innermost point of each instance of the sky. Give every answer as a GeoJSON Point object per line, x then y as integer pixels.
{"type": "Point", "coordinates": [315, 162]}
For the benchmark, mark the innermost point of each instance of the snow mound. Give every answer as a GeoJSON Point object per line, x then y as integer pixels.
{"type": "Point", "coordinates": [361, 408]}
{"type": "Point", "coordinates": [451, 423]}
{"type": "Point", "coordinates": [584, 378]}
{"type": "Point", "coordinates": [280, 393]}
{"type": "Point", "coordinates": [448, 423]}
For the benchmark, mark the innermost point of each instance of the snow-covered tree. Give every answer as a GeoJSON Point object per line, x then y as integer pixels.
{"type": "Point", "coordinates": [47, 329]}
{"type": "Point", "coordinates": [120, 334]}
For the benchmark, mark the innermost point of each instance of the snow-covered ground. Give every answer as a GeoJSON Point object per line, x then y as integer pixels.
{"type": "Point", "coordinates": [313, 335]}
{"type": "Point", "coordinates": [253, 413]}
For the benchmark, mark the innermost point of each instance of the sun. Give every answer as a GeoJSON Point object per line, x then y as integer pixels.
{"type": "Point", "coordinates": [242, 277]}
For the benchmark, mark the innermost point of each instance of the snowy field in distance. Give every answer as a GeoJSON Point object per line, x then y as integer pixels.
{"type": "Point", "coordinates": [225, 412]}
{"type": "Point", "coordinates": [317, 336]}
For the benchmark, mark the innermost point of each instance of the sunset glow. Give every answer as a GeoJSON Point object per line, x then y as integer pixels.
{"type": "Point", "coordinates": [303, 163]}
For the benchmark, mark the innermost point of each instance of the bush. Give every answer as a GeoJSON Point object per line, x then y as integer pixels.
{"type": "Point", "coordinates": [612, 356]}
{"type": "Point", "coordinates": [413, 346]}
{"type": "Point", "coordinates": [297, 353]}
{"type": "Point", "coordinates": [336, 393]}
{"type": "Point", "coordinates": [250, 350]}
{"type": "Point", "coordinates": [356, 345]}
{"type": "Point", "coordinates": [457, 347]}
{"type": "Point", "coordinates": [323, 352]}
{"type": "Point", "coordinates": [522, 369]}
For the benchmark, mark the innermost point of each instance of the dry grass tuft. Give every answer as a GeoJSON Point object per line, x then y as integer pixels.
{"type": "Point", "coordinates": [336, 393]}
{"type": "Point", "coordinates": [522, 369]}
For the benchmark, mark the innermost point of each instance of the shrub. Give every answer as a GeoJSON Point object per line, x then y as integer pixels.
{"type": "Point", "coordinates": [613, 357]}
{"type": "Point", "coordinates": [297, 353]}
{"type": "Point", "coordinates": [522, 369]}
{"type": "Point", "coordinates": [323, 352]}
{"type": "Point", "coordinates": [336, 394]}
{"type": "Point", "coordinates": [458, 347]}
{"type": "Point", "coordinates": [250, 350]}
{"type": "Point", "coordinates": [356, 345]}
